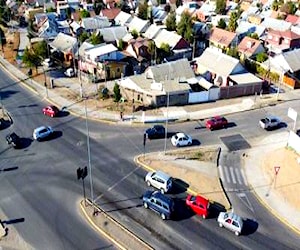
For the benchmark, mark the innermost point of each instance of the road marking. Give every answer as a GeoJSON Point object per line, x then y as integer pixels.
{"type": "Point", "coordinates": [238, 176]}
{"type": "Point", "coordinates": [232, 175]}
{"type": "Point", "coordinates": [221, 172]}
{"type": "Point", "coordinates": [244, 177]}
{"type": "Point", "coordinates": [227, 174]}
{"type": "Point", "coordinates": [245, 200]}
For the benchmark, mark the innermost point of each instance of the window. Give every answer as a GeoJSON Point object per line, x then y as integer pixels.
{"type": "Point", "coordinates": [158, 203]}
{"type": "Point", "coordinates": [235, 224]}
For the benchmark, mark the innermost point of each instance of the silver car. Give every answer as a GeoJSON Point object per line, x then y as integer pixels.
{"type": "Point", "coordinates": [231, 221]}
{"type": "Point", "coordinates": [159, 180]}
{"type": "Point", "coordinates": [42, 132]}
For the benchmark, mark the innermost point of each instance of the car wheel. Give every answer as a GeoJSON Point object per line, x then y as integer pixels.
{"type": "Point", "coordinates": [163, 216]}
{"type": "Point", "coordinates": [237, 233]}
{"type": "Point", "coordinates": [146, 205]}
{"type": "Point", "coordinates": [220, 224]}
{"type": "Point", "coordinates": [162, 190]}
{"type": "Point", "coordinates": [189, 143]}
{"type": "Point", "coordinates": [148, 184]}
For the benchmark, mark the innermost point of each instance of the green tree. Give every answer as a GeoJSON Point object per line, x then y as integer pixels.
{"type": "Point", "coordinates": [232, 25]}
{"type": "Point", "coordinates": [83, 37]}
{"type": "Point", "coordinates": [50, 9]}
{"type": "Point", "coordinates": [220, 7]}
{"type": "Point", "coordinates": [221, 24]}
{"type": "Point", "coordinates": [40, 49]}
{"type": "Point", "coordinates": [134, 33]}
{"type": "Point", "coordinates": [171, 21]}
{"type": "Point", "coordinates": [117, 93]}
{"type": "Point", "coordinates": [233, 52]}
{"type": "Point", "coordinates": [151, 49]}
{"type": "Point", "coordinates": [261, 57]}
{"type": "Point", "coordinates": [185, 26]}
{"type": "Point", "coordinates": [121, 44]}
{"type": "Point", "coordinates": [96, 38]}
{"type": "Point", "coordinates": [289, 8]}
{"type": "Point", "coordinates": [30, 59]}
{"type": "Point", "coordinates": [253, 35]}
{"type": "Point", "coordinates": [84, 14]}
{"type": "Point", "coordinates": [2, 39]}
{"type": "Point", "coordinates": [143, 10]}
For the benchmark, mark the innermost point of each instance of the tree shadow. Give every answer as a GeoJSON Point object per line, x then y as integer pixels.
{"type": "Point", "coordinates": [249, 227]}
{"type": "Point", "coordinates": [24, 143]}
{"type": "Point", "coordinates": [178, 186]}
{"type": "Point", "coordinates": [181, 210]}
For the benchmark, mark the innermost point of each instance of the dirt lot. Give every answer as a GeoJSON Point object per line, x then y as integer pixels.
{"type": "Point", "coordinates": [288, 178]}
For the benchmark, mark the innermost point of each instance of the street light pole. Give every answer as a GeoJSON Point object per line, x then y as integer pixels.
{"type": "Point", "coordinates": [89, 151]}
{"type": "Point", "coordinates": [166, 130]}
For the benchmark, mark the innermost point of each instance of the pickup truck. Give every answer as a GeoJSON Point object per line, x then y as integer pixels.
{"type": "Point", "coordinates": [269, 122]}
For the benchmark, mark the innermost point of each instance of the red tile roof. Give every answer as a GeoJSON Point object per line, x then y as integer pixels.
{"type": "Point", "coordinates": [110, 13]}
{"type": "Point", "coordinates": [222, 37]}
{"type": "Point", "coordinates": [248, 46]}
{"type": "Point", "coordinates": [285, 34]}
{"type": "Point", "coordinates": [293, 19]}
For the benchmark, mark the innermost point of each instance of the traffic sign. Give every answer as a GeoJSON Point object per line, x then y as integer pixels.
{"type": "Point", "coordinates": [276, 169]}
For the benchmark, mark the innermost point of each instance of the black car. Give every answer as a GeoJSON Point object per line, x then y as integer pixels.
{"type": "Point", "coordinates": [157, 131]}
{"type": "Point", "coordinates": [13, 139]}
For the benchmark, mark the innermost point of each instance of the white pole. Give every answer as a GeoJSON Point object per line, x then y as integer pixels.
{"type": "Point", "coordinates": [89, 152]}
{"type": "Point", "coordinates": [166, 131]}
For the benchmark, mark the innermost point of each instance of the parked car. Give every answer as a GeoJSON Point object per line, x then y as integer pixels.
{"type": "Point", "coordinates": [69, 72]}
{"type": "Point", "coordinates": [159, 180]}
{"type": "Point", "coordinates": [269, 122]}
{"type": "Point", "coordinates": [14, 140]}
{"type": "Point", "coordinates": [181, 139]}
{"type": "Point", "coordinates": [231, 221]}
{"type": "Point", "coordinates": [42, 133]}
{"type": "Point", "coordinates": [159, 203]}
{"type": "Point", "coordinates": [216, 122]}
{"type": "Point", "coordinates": [199, 204]}
{"type": "Point", "coordinates": [47, 62]}
{"type": "Point", "coordinates": [157, 131]}
{"type": "Point", "coordinates": [51, 110]}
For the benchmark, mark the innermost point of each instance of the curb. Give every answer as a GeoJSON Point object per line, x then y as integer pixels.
{"type": "Point", "coordinates": [112, 237]}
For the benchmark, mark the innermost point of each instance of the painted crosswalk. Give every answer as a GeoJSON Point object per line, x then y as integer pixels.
{"type": "Point", "coordinates": [232, 175]}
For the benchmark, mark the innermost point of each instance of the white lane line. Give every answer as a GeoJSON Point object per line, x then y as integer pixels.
{"type": "Point", "coordinates": [232, 175]}
{"type": "Point", "coordinates": [221, 173]}
{"type": "Point", "coordinates": [227, 174]}
{"type": "Point", "coordinates": [244, 177]}
{"type": "Point", "coordinates": [238, 176]}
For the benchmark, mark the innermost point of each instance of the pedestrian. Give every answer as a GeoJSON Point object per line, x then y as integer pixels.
{"type": "Point", "coordinates": [121, 116]}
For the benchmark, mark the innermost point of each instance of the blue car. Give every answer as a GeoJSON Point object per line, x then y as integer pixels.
{"type": "Point", "coordinates": [159, 203]}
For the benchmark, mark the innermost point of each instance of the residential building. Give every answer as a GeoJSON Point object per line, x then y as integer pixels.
{"type": "Point", "coordinates": [250, 47]}
{"type": "Point", "coordinates": [222, 39]}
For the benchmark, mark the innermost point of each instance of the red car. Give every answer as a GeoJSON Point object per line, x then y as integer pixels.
{"type": "Point", "coordinates": [216, 122]}
{"type": "Point", "coordinates": [50, 111]}
{"type": "Point", "coordinates": [198, 204]}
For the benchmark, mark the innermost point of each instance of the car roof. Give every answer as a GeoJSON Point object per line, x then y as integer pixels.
{"type": "Point", "coordinates": [180, 134]}
{"type": "Point", "coordinates": [163, 175]}
{"type": "Point", "coordinates": [202, 199]}
{"type": "Point", "coordinates": [41, 127]}
{"type": "Point", "coordinates": [159, 195]}
{"type": "Point", "coordinates": [235, 217]}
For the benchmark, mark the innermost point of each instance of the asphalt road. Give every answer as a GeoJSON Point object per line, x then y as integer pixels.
{"type": "Point", "coordinates": [42, 191]}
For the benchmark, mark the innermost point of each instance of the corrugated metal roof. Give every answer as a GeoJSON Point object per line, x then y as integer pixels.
{"type": "Point", "coordinates": [217, 62]}
{"type": "Point", "coordinates": [122, 18]}
{"type": "Point", "coordinates": [171, 70]}
{"type": "Point", "coordinates": [276, 24]}
{"type": "Point", "coordinates": [64, 43]}
{"type": "Point", "coordinates": [96, 22]}
{"type": "Point", "coordinates": [245, 78]}
{"type": "Point", "coordinates": [153, 30]}
{"type": "Point", "coordinates": [169, 37]}
{"type": "Point", "coordinates": [138, 24]}
{"type": "Point", "coordinates": [293, 59]}
{"type": "Point", "coordinates": [100, 50]}
{"type": "Point", "coordinates": [114, 33]}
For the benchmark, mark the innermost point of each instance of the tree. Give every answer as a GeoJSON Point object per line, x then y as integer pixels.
{"type": "Point", "coordinates": [167, 8]}
{"type": "Point", "coordinates": [171, 21]}
{"type": "Point", "coordinates": [253, 35]}
{"type": "Point", "coordinates": [84, 14]}
{"type": "Point", "coordinates": [221, 24]}
{"type": "Point", "coordinates": [232, 25]}
{"type": "Point", "coordinates": [151, 49]}
{"type": "Point", "coordinates": [134, 33]}
{"type": "Point", "coordinates": [98, 6]}
{"type": "Point", "coordinates": [185, 26]}
{"type": "Point", "coordinates": [143, 10]}
{"type": "Point", "coordinates": [220, 7]}
{"type": "Point", "coordinates": [289, 8]}
{"type": "Point", "coordinates": [40, 49]}
{"type": "Point", "coordinates": [30, 59]}
{"type": "Point", "coordinates": [261, 57]}
{"type": "Point", "coordinates": [233, 52]}
{"type": "Point", "coordinates": [121, 44]}
{"type": "Point", "coordinates": [96, 38]}
{"type": "Point", "coordinates": [50, 9]}
{"type": "Point", "coordinates": [117, 93]}
{"type": "Point", "coordinates": [83, 36]}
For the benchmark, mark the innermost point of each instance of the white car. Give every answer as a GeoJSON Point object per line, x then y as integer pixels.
{"type": "Point", "coordinates": [42, 132]}
{"type": "Point", "coordinates": [69, 72]}
{"type": "Point", "coordinates": [231, 221]}
{"type": "Point", "coordinates": [159, 180]}
{"type": "Point", "coordinates": [181, 139]}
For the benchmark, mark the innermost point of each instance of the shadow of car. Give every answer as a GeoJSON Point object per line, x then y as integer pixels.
{"type": "Point", "coordinates": [181, 211]}
{"type": "Point", "coordinates": [178, 186]}
{"type": "Point", "coordinates": [215, 208]}
{"type": "Point", "coordinates": [4, 123]}
{"type": "Point", "coordinates": [250, 227]}
{"type": "Point", "coordinates": [281, 125]}
{"type": "Point", "coordinates": [195, 142]}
